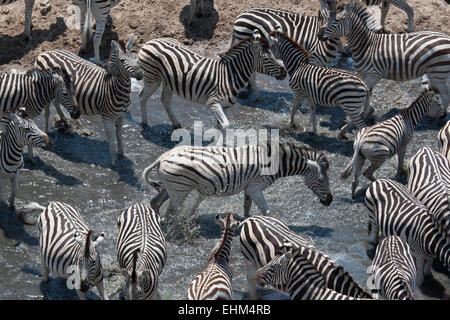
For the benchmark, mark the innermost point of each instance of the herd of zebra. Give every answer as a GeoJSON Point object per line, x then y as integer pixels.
{"type": "Point", "coordinates": [413, 220]}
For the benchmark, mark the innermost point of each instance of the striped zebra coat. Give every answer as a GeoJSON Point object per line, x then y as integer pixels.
{"type": "Point", "coordinates": [320, 85]}
{"type": "Point", "coordinates": [35, 89]}
{"type": "Point", "coordinates": [18, 130]}
{"type": "Point", "coordinates": [214, 282]}
{"type": "Point", "coordinates": [393, 272]}
{"type": "Point", "coordinates": [444, 140]}
{"type": "Point", "coordinates": [100, 10]}
{"type": "Point", "coordinates": [262, 238]}
{"type": "Point", "coordinates": [99, 91]}
{"type": "Point", "coordinates": [288, 269]}
{"type": "Point", "coordinates": [68, 248]}
{"type": "Point", "coordinates": [398, 57]}
{"type": "Point", "coordinates": [28, 15]}
{"type": "Point", "coordinates": [383, 140]}
{"type": "Point", "coordinates": [429, 182]}
{"type": "Point", "coordinates": [214, 82]}
{"type": "Point", "coordinates": [141, 251]}
{"type": "Point", "coordinates": [394, 211]}
{"type": "Point", "coordinates": [302, 29]}
{"type": "Point", "coordinates": [220, 171]}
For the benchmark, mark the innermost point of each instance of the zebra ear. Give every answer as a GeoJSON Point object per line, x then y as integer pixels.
{"type": "Point", "coordinates": [129, 44]}
{"type": "Point", "coordinates": [98, 237]}
{"type": "Point", "coordinates": [256, 34]}
{"type": "Point", "coordinates": [78, 237]}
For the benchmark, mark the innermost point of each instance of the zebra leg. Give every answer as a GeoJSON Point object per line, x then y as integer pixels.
{"type": "Point", "coordinates": [384, 11]}
{"type": "Point", "coordinates": [157, 201]}
{"type": "Point", "coordinates": [374, 165]}
{"type": "Point", "coordinates": [81, 295]}
{"type": "Point", "coordinates": [403, 5]}
{"type": "Point", "coordinates": [101, 290]}
{"type": "Point", "coordinates": [359, 162]}
{"type": "Point", "coordinates": [14, 186]}
{"type": "Point", "coordinates": [373, 233]}
{"type": "Point", "coordinates": [312, 110]}
{"type": "Point", "coordinates": [109, 128]}
{"type": "Point", "coordinates": [28, 18]}
{"type": "Point", "coordinates": [251, 283]}
{"type": "Point", "coordinates": [247, 205]}
{"type": "Point", "coordinates": [253, 87]}
{"type": "Point", "coordinates": [145, 94]}
{"type": "Point", "coordinates": [83, 12]}
{"type": "Point", "coordinates": [400, 159]}
{"type": "Point", "coordinates": [100, 22]}
{"type": "Point", "coordinates": [192, 13]}
{"type": "Point", "coordinates": [119, 133]}
{"type": "Point", "coordinates": [420, 266]}
{"type": "Point", "coordinates": [295, 104]}
{"type": "Point", "coordinates": [219, 114]}
{"type": "Point", "coordinates": [258, 197]}
{"type": "Point", "coordinates": [166, 99]}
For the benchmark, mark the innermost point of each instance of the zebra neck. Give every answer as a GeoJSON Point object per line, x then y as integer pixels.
{"type": "Point", "coordinates": [11, 153]}
{"type": "Point", "coordinates": [42, 92]}
{"type": "Point", "coordinates": [290, 165]}
{"type": "Point", "coordinates": [414, 113]}
{"type": "Point", "coordinates": [360, 38]}
{"type": "Point", "coordinates": [292, 56]}
{"type": "Point", "coordinates": [119, 87]}
{"type": "Point", "coordinates": [221, 254]}
{"type": "Point", "coordinates": [239, 64]}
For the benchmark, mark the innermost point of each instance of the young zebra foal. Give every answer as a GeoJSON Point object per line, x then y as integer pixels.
{"type": "Point", "coordinates": [68, 247]}
{"type": "Point", "coordinates": [320, 85]}
{"type": "Point", "coordinates": [393, 271]}
{"type": "Point", "coordinates": [383, 140]}
{"type": "Point", "coordinates": [18, 131]}
{"type": "Point", "coordinates": [141, 252]}
{"type": "Point", "coordinates": [444, 140]}
{"type": "Point", "coordinates": [214, 82]}
{"type": "Point", "coordinates": [214, 282]}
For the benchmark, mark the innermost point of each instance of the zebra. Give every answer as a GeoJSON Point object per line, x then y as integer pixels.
{"type": "Point", "coordinates": [195, 10]}
{"type": "Point", "coordinates": [214, 82]}
{"type": "Point", "coordinates": [303, 29]}
{"type": "Point", "coordinates": [444, 140]}
{"type": "Point", "coordinates": [393, 272]}
{"type": "Point", "coordinates": [35, 89]}
{"type": "Point", "coordinates": [18, 130]}
{"type": "Point", "coordinates": [385, 4]}
{"type": "Point", "coordinates": [288, 269]}
{"type": "Point", "coordinates": [394, 211]}
{"type": "Point", "coordinates": [383, 140]}
{"type": "Point", "coordinates": [429, 182]}
{"type": "Point", "coordinates": [141, 251]}
{"type": "Point", "coordinates": [321, 85]}
{"type": "Point", "coordinates": [262, 237]}
{"type": "Point", "coordinates": [220, 171]}
{"type": "Point", "coordinates": [99, 91]}
{"type": "Point", "coordinates": [28, 15]}
{"type": "Point", "coordinates": [214, 282]}
{"type": "Point", "coordinates": [398, 57]}
{"type": "Point", "coordinates": [100, 10]}
{"type": "Point", "coordinates": [68, 248]}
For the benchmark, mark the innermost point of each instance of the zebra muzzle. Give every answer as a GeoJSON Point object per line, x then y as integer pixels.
{"type": "Point", "coordinates": [75, 114]}
{"type": "Point", "coordinates": [328, 200]}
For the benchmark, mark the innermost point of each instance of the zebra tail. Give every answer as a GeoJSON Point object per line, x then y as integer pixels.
{"type": "Point", "coordinates": [348, 170]}
{"type": "Point", "coordinates": [87, 31]}
{"type": "Point", "coordinates": [28, 208]}
{"type": "Point", "coordinates": [145, 175]}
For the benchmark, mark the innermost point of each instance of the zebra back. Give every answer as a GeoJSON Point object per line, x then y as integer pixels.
{"type": "Point", "coordinates": [262, 237]}
{"type": "Point", "coordinates": [429, 182]}
{"type": "Point", "coordinates": [444, 140]}
{"type": "Point", "coordinates": [139, 231]}
{"type": "Point", "coordinates": [393, 270]}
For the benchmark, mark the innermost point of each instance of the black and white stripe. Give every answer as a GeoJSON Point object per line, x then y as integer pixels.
{"type": "Point", "coordinates": [18, 130]}
{"type": "Point", "coordinates": [393, 272]}
{"type": "Point", "coordinates": [220, 171]}
{"type": "Point", "coordinates": [141, 251]}
{"type": "Point", "coordinates": [28, 15]}
{"type": "Point", "coordinates": [68, 248]}
{"type": "Point", "coordinates": [394, 211]}
{"type": "Point", "coordinates": [100, 10]}
{"type": "Point", "coordinates": [35, 89]}
{"type": "Point", "coordinates": [214, 82]}
{"type": "Point", "coordinates": [99, 91]}
{"type": "Point", "coordinates": [320, 85]}
{"type": "Point", "coordinates": [398, 57]}
{"type": "Point", "coordinates": [292, 267]}
{"type": "Point", "coordinates": [429, 182]}
{"type": "Point", "coordinates": [444, 140]}
{"type": "Point", "coordinates": [215, 281]}
{"type": "Point", "coordinates": [383, 140]}
{"type": "Point", "coordinates": [262, 238]}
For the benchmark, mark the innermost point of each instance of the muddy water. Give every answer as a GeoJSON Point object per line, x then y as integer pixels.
{"type": "Point", "coordinates": [77, 170]}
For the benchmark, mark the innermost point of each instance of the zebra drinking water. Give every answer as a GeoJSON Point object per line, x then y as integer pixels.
{"type": "Point", "coordinates": [214, 82]}
{"type": "Point", "coordinates": [383, 140]}
{"type": "Point", "coordinates": [68, 248]}
{"type": "Point", "coordinates": [18, 131]}
{"type": "Point", "coordinates": [394, 211]}
{"type": "Point", "coordinates": [99, 91]}
{"type": "Point", "coordinates": [28, 15]}
{"type": "Point", "coordinates": [320, 85]}
{"type": "Point", "coordinates": [398, 57]}
{"type": "Point", "coordinates": [214, 282]}
{"type": "Point", "coordinates": [141, 251]}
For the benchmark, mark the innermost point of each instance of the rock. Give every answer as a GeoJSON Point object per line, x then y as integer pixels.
{"type": "Point", "coordinates": [45, 7]}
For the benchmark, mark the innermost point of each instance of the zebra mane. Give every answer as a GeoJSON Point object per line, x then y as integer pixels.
{"type": "Point", "coordinates": [362, 12]}
{"type": "Point", "coordinates": [294, 43]}
{"type": "Point", "coordinates": [240, 43]}
{"type": "Point", "coordinates": [220, 244]}
{"type": "Point", "coordinates": [134, 264]}
{"type": "Point", "coordinates": [310, 153]}
{"type": "Point", "coordinates": [87, 246]}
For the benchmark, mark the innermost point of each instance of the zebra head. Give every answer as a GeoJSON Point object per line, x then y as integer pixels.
{"type": "Point", "coordinates": [264, 60]}
{"type": "Point", "coordinates": [288, 49]}
{"type": "Point", "coordinates": [228, 222]}
{"type": "Point", "coordinates": [64, 91]}
{"type": "Point", "coordinates": [276, 272]}
{"type": "Point", "coordinates": [123, 62]}
{"type": "Point", "coordinates": [435, 107]}
{"type": "Point", "coordinates": [89, 268]}
{"type": "Point", "coordinates": [139, 284]}
{"type": "Point", "coordinates": [24, 129]}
